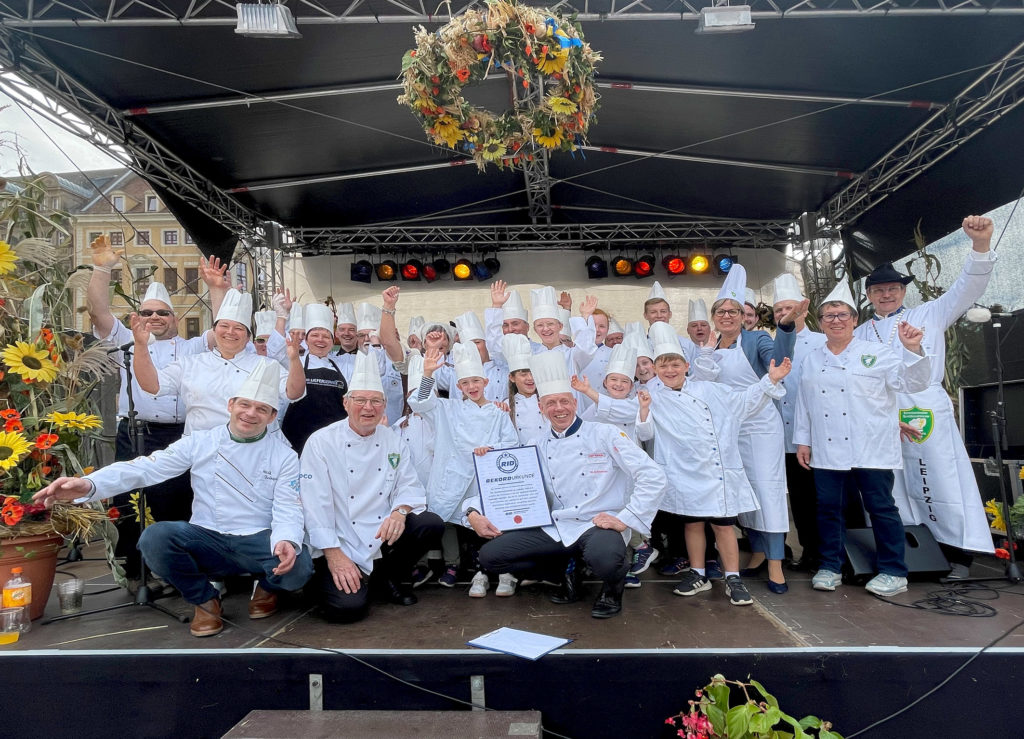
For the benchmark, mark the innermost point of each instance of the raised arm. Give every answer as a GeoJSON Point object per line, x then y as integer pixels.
{"type": "Point", "coordinates": [214, 276]}
{"type": "Point", "coordinates": [145, 371]}
{"type": "Point", "coordinates": [389, 338]}
{"type": "Point", "coordinates": [97, 294]}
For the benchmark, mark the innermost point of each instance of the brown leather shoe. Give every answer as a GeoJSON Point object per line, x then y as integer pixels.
{"type": "Point", "coordinates": [262, 603]}
{"type": "Point", "coordinates": [206, 619]}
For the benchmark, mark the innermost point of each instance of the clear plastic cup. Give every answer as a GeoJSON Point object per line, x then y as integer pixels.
{"type": "Point", "coordinates": [10, 624]}
{"type": "Point", "coordinates": [69, 593]}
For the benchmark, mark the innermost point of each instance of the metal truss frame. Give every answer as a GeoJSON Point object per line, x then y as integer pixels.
{"type": "Point", "coordinates": [534, 162]}
{"type": "Point", "coordinates": [59, 13]}
{"type": "Point", "coordinates": [751, 233]}
{"type": "Point", "coordinates": [997, 91]}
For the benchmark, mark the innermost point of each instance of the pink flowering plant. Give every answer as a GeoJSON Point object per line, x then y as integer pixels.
{"type": "Point", "coordinates": [758, 716]}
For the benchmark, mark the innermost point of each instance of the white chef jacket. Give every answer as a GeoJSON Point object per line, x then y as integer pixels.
{"type": "Point", "coordinates": [418, 433]}
{"type": "Point", "coordinates": [847, 410]}
{"type": "Point", "coordinates": [618, 412]}
{"type": "Point", "coordinates": [531, 424]}
{"type": "Point", "coordinates": [165, 409]}
{"type": "Point", "coordinates": [696, 430]}
{"type": "Point", "coordinates": [806, 342]}
{"type": "Point", "coordinates": [597, 469]}
{"type": "Point", "coordinates": [347, 362]}
{"type": "Point", "coordinates": [493, 318]}
{"type": "Point", "coordinates": [207, 381]}
{"type": "Point", "coordinates": [595, 371]}
{"type": "Point", "coordinates": [461, 426]}
{"type": "Point", "coordinates": [350, 484]}
{"type": "Point", "coordinates": [496, 373]}
{"type": "Point", "coordinates": [240, 488]}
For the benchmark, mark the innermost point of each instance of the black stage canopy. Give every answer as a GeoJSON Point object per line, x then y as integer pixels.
{"type": "Point", "coordinates": [873, 116]}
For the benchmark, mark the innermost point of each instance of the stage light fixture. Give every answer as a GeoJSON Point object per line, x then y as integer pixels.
{"type": "Point", "coordinates": [644, 266]}
{"type": "Point", "coordinates": [622, 266]}
{"type": "Point", "coordinates": [723, 263]}
{"type": "Point", "coordinates": [674, 264]}
{"type": "Point", "coordinates": [265, 20]}
{"type": "Point", "coordinates": [463, 270]}
{"type": "Point", "coordinates": [486, 269]}
{"type": "Point", "coordinates": [442, 266]}
{"type": "Point", "coordinates": [387, 270]}
{"type": "Point", "coordinates": [429, 272]}
{"type": "Point", "coordinates": [361, 271]}
{"type": "Point", "coordinates": [597, 268]}
{"type": "Point", "coordinates": [699, 264]}
{"type": "Point", "coordinates": [412, 270]}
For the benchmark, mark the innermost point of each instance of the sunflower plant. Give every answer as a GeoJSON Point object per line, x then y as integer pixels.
{"type": "Point", "coordinates": [47, 371]}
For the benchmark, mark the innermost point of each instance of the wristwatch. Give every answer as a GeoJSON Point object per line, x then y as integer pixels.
{"type": "Point", "coordinates": [471, 510]}
{"type": "Point", "coordinates": [402, 511]}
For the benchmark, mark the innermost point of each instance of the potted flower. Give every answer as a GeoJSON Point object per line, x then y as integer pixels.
{"type": "Point", "coordinates": [47, 375]}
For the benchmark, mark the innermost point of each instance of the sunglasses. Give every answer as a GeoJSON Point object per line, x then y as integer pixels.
{"type": "Point", "coordinates": [146, 313]}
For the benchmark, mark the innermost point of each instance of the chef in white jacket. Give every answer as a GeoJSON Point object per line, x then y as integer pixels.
{"type": "Point", "coordinates": [588, 468]}
{"type": "Point", "coordinates": [846, 427]}
{"type": "Point", "coordinates": [246, 515]}
{"type": "Point", "coordinates": [937, 487]}
{"type": "Point", "coordinates": [471, 333]}
{"type": "Point", "coordinates": [365, 508]}
{"type": "Point", "coordinates": [507, 315]}
{"type": "Point", "coordinates": [524, 402]}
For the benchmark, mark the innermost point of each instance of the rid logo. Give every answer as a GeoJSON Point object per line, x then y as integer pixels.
{"type": "Point", "coordinates": [507, 463]}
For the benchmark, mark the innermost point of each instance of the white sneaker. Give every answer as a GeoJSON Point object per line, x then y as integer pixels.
{"type": "Point", "coordinates": [826, 580]}
{"type": "Point", "coordinates": [506, 585]}
{"type": "Point", "coordinates": [479, 585]}
{"type": "Point", "coordinates": [886, 585]}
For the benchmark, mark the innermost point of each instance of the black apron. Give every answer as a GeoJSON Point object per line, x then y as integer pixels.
{"type": "Point", "coordinates": [322, 405]}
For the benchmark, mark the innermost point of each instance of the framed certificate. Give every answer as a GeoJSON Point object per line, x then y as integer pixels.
{"type": "Point", "coordinates": [512, 488]}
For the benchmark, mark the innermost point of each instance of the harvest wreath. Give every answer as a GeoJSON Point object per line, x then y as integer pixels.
{"type": "Point", "coordinates": [536, 48]}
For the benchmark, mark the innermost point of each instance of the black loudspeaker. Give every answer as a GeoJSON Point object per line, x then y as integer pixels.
{"type": "Point", "coordinates": [922, 555]}
{"type": "Point", "coordinates": [976, 406]}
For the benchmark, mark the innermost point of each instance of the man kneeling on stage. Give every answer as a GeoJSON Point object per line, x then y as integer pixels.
{"type": "Point", "coordinates": [364, 505]}
{"type": "Point", "coordinates": [600, 484]}
{"type": "Point", "coordinates": [246, 514]}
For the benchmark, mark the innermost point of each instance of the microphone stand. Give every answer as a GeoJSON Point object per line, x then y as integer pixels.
{"type": "Point", "coordinates": [143, 597]}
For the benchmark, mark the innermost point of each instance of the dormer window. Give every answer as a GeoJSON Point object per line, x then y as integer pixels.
{"type": "Point", "coordinates": [152, 204]}
{"type": "Point", "coordinates": [118, 202]}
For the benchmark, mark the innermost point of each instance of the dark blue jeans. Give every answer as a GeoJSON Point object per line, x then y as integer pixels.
{"type": "Point", "coordinates": [876, 491]}
{"type": "Point", "coordinates": [189, 556]}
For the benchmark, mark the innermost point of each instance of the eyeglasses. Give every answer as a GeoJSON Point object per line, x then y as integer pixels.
{"type": "Point", "coordinates": [833, 317]}
{"type": "Point", "coordinates": [146, 313]}
{"type": "Point", "coordinates": [360, 402]}
{"type": "Point", "coordinates": [731, 312]}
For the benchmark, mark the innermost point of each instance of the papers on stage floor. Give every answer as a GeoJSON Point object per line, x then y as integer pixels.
{"type": "Point", "coordinates": [519, 643]}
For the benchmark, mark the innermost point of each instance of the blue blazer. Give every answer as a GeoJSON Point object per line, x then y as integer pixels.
{"type": "Point", "coordinates": [760, 349]}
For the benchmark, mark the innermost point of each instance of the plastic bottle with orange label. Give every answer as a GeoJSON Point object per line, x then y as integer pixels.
{"type": "Point", "coordinates": [18, 594]}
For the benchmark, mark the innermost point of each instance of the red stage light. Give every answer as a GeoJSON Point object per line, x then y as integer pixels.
{"type": "Point", "coordinates": [674, 264]}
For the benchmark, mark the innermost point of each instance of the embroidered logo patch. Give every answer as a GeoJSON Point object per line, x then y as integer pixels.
{"type": "Point", "coordinates": [295, 484]}
{"type": "Point", "coordinates": [393, 460]}
{"type": "Point", "coordinates": [868, 360]}
{"type": "Point", "coordinates": [920, 418]}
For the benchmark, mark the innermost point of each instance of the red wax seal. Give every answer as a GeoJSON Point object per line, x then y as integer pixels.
{"type": "Point", "coordinates": [517, 519]}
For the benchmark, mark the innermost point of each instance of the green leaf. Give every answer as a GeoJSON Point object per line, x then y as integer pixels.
{"type": "Point", "coordinates": [826, 734]}
{"type": "Point", "coordinates": [720, 695]}
{"type": "Point", "coordinates": [758, 723]}
{"type": "Point", "coordinates": [781, 735]}
{"type": "Point", "coordinates": [408, 60]}
{"type": "Point", "coordinates": [810, 722]}
{"type": "Point", "coordinates": [736, 722]}
{"type": "Point", "coordinates": [717, 718]}
{"type": "Point", "coordinates": [769, 698]}
{"type": "Point", "coordinates": [774, 715]}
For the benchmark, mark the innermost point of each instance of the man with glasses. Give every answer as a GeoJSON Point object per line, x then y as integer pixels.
{"type": "Point", "coordinates": [160, 421]}
{"type": "Point", "coordinates": [937, 487]}
{"type": "Point", "coordinates": [364, 506]}
{"type": "Point", "coordinates": [846, 428]}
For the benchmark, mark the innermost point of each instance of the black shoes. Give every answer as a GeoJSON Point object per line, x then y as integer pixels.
{"type": "Point", "coordinates": [570, 590]}
{"type": "Point", "coordinates": [609, 603]}
{"type": "Point", "coordinates": [401, 595]}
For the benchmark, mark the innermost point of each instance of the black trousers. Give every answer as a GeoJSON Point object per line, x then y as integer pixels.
{"type": "Point", "coordinates": [532, 552]}
{"type": "Point", "coordinates": [803, 500]}
{"type": "Point", "coordinates": [169, 501]}
{"type": "Point", "coordinates": [422, 533]}
{"type": "Point", "coordinates": [671, 528]}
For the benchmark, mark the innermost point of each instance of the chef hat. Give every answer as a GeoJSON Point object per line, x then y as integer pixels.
{"type": "Point", "coordinates": [365, 374]}
{"type": "Point", "coordinates": [517, 351]}
{"type": "Point", "coordinates": [469, 328]}
{"type": "Point", "coordinates": [750, 297]}
{"type": "Point", "coordinates": [735, 285]}
{"type": "Point", "coordinates": [622, 360]}
{"type": "Point", "coordinates": [637, 340]}
{"type": "Point", "coordinates": [429, 326]}
{"type": "Point", "coordinates": [265, 320]}
{"type": "Point", "coordinates": [549, 373]}
{"type": "Point", "coordinates": [237, 307]}
{"type": "Point", "coordinates": [367, 317]}
{"type": "Point", "coordinates": [514, 308]}
{"type": "Point", "coordinates": [319, 315]}
{"type": "Point", "coordinates": [466, 359]}
{"type": "Point", "coordinates": [787, 288]}
{"type": "Point", "coordinates": [295, 317]}
{"type": "Point", "coordinates": [657, 292]}
{"type": "Point", "coordinates": [664, 340]}
{"type": "Point", "coordinates": [157, 291]}
{"type": "Point", "coordinates": [841, 293]}
{"type": "Point", "coordinates": [544, 303]}
{"type": "Point", "coordinates": [415, 324]}
{"type": "Point", "coordinates": [415, 371]}
{"type": "Point", "coordinates": [613, 327]}
{"type": "Point", "coordinates": [263, 384]}
{"type": "Point", "coordinates": [346, 314]}
{"type": "Point", "coordinates": [563, 317]}
{"type": "Point", "coordinates": [698, 311]}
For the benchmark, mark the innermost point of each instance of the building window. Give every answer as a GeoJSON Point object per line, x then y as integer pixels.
{"type": "Point", "coordinates": [240, 277]}
{"type": "Point", "coordinates": [117, 238]}
{"type": "Point", "coordinates": [115, 276]}
{"type": "Point", "coordinates": [192, 328]}
{"type": "Point", "coordinates": [152, 204]}
{"type": "Point", "coordinates": [143, 275]}
{"type": "Point", "coordinates": [93, 235]}
{"type": "Point", "coordinates": [171, 238]}
{"type": "Point", "coordinates": [192, 279]}
{"type": "Point", "coordinates": [170, 280]}
{"type": "Point", "coordinates": [188, 238]}
{"type": "Point", "coordinates": [142, 238]}
{"type": "Point", "coordinates": [118, 201]}
{"type": "Point", "coordinates": [55, 203]}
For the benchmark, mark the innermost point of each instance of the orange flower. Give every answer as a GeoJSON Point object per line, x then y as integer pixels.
{"type": "Point", "coordinates": [8, 413]}
{"type": "Point", "coordinates": [113, 513]}
{"type": "Point", "coordinates": [14, 425]}
{"type": "Point", "coordinates": [12, 513]}
{"type": "Point", "coordinates": [45, 441]}
{"type": "Point", "coordinates": [462, 74]}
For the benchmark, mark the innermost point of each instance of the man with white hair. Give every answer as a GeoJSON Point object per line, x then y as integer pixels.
{"type": "Point", "coordinates": [246, 516]}
{"type": "Point", "coordinates": [600, 485]}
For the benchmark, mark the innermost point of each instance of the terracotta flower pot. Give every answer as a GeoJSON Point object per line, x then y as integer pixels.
{"type": "Point", "coordinates": [37, 557]}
